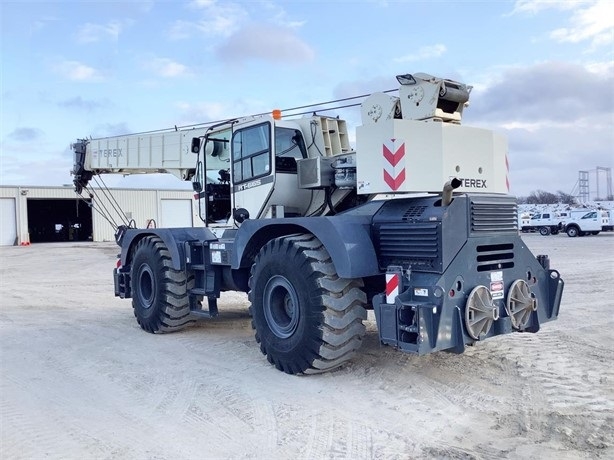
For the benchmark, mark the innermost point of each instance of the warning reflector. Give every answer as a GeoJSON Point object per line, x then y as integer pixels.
{"type": "Point", "coordinates": [392, 287]}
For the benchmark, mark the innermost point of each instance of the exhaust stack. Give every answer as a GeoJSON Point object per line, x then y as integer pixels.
{"type": "Point", "coordinates": [448, 188]}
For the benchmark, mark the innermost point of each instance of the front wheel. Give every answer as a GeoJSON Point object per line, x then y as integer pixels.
{"type": "Point", "coordinates": [306, 318]}
{"type": "Point", "coordinates": [159, 293]}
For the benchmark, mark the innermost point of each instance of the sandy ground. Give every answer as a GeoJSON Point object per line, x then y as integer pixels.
{"type": "Point", "coordinates": [81, 380]}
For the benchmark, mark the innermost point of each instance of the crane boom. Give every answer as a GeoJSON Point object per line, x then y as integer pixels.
{"type": "Point", "coordinates": [157, 152]}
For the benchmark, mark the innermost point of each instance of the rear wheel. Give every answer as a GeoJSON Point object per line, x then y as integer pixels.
{"type": "Point", "coordinates": [544, 231]}
{"type": "Point", "coordinates": [159, 293]}
{"type": "Point", "coordinates": [306, 318]}
{"type": "Point", "coordinates": [572, 232]}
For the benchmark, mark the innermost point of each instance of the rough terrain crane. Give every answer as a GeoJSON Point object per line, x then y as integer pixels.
{"type": "Point", "coordinates": [415, 223]}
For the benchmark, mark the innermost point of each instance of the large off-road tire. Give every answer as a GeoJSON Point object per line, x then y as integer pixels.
{"type": "Point", "coordinates": [159, 293]}
{"type": "Point", "coordinates": [306, 318]}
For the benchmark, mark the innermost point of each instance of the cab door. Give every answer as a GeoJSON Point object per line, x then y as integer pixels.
{"type": "Point", "coordinates": [252, 174]}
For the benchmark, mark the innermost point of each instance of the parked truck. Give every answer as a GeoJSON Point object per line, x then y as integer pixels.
{"type": "Point", "coordinates": [415, 223]}
{"type": "Point", "coordinates": [586, 222]}
{"type": "Point", "coordinates": [546, 223]}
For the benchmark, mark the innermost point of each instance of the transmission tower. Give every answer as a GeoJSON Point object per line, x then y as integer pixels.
{"type": "Point", "coordinates": [584, 180]}
{"type": "Point", "coordinates": [583, 187]}
{"type": "Point", "coordinates": [607, 172]}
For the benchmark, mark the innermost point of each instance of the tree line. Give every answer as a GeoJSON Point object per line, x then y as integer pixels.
{"type": "Point", "coordinates": [543, 197]}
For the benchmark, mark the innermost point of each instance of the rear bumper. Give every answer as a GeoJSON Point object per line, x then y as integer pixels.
{"type": "Point", "coordinates": [429, 313]}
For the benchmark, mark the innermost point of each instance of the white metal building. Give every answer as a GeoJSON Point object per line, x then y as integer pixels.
{"type": "Point", "coordinates": [47, 214]}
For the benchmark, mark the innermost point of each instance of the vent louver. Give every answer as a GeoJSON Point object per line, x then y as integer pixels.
{"type": "Point", "coordinates": [496, 215]}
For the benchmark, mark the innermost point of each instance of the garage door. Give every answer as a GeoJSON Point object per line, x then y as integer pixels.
{"type": "Point", "coordinates": [8, 222]}
{"type": "Point", "coordinates": [175, 213]}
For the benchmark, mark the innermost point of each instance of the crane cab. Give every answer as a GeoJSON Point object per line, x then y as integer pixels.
{"type": "Point", "coordinates": [259, 175]}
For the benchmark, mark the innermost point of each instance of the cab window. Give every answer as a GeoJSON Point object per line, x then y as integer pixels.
{"type": "Point", "coordinates": [251, 150]}
{"type": "Point", "coordinates": [287, 143]}
{"type": "Point", "coordinates": [289, 147]}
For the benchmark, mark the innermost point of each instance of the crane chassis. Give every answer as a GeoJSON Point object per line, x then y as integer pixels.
{"type": "Point", "coordinates": [415, 224]}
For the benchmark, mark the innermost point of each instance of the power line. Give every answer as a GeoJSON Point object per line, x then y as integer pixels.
{"type": "Point", "coordinates": [292, 109]}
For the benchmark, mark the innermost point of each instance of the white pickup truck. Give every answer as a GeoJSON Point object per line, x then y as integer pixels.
{"type": "Point", "coordinates": [546, 223]}
{"type": "Point", "coordinates": [580, 223]}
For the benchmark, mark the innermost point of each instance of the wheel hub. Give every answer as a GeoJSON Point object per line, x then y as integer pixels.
{"type": "Point", "coordinates": [281, 306]}
{"type": "Point", "coordinates": [145, 286]}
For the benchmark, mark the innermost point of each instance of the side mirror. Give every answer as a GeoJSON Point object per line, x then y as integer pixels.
{"type": "Point", "coordinates": [197, 186]}
{"type": "Point", "coordinates": [195, 148]}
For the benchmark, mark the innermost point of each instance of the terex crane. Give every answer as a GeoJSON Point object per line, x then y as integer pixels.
{"type": "Point", "coordinates": [416, 223]}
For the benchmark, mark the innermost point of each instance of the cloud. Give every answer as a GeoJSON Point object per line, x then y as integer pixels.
{"type": "Point", "coordinates": [554, 91]}
{"type": "Point", "coordinates": [360, 87]}
{"type": "Point", "coordinates": [25, 134]}
{"type": "Point", "coordinates": [204, 112]}
{"type": "Point", "coordinates": [223, 19]}
{"type": "Point", "coordinates": [536, 6]}
{"type": "Point", "coordinates": [197, 4]}
{"type": "Point", "coordinates": [90, 33]}
{"type": "Point", "coordinates": [77, 71]}
{"type": "Point", "coordinates": [41, 23]}
{"type": "Point", "coordinates": [167, 68]}
{"type": "Point", "coordinates": [550, 157]}
{"type": "Point", "coordinates": [48, 168]}
{"type": "Point", "coordinates": [594, 23]}
{"type": "Point", "coordinates": [279, 15]}
{"type": "Point", "coordinates": [52, 167]}
{"type": "Point", "coordinates": [426, 52]}
{"type": "Point", "coordinates": [81, 104]}
{"type": "Point", "coordinates": [211, 111]}
{"type": "Point", "coordinates": [111, 129]}
{"type": "Point", "coordinates": [267, 43]}
{"type": "Point", "coordinates": [557, 118]}
{"type": "Point", "coordinates": [218, 20]}
{"type": "Point", "coordinates": [591, 21]}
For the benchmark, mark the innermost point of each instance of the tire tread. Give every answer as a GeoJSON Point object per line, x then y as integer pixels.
{"type": "Point", "coordinates": [174, 314]}
{"type": "Point", "coordinates": [342, 306]}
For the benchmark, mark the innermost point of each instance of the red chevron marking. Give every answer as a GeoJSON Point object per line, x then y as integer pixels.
{"type": "Point", "coordinates": [394, 183]}
{"type": "Point", "coordinates": [394, 158]}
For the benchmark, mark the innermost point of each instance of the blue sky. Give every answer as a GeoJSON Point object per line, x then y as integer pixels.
{"type": "Point", "coordinates": [542, 71]}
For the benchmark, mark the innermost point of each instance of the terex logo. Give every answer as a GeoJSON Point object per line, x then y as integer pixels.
{"type": "Point", "coordinates": [473, 183]}
{"type": "Point", "coordinates": [109, 153]}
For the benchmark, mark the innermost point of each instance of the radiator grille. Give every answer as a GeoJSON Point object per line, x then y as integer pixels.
{"type": "Point", "coordinates": [494, 216]}
{"type": "Point", "coordinates": [414, 212]}
{"type": "Point", "coordinates": [492, 257]}
{"type": "Point", "coordinates": [416, 245]}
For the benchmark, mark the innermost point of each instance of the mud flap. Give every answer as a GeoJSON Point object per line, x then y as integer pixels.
{"type": "Point", "coordinates": [534, 324]}
{"type": "Point", "coordinates": [458, 336]}
{"type": "Point", "coordinates": [555, 286]}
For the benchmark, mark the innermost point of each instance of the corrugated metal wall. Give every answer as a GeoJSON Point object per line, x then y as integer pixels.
{"type": "Point", "coordinates": [140, 205]}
